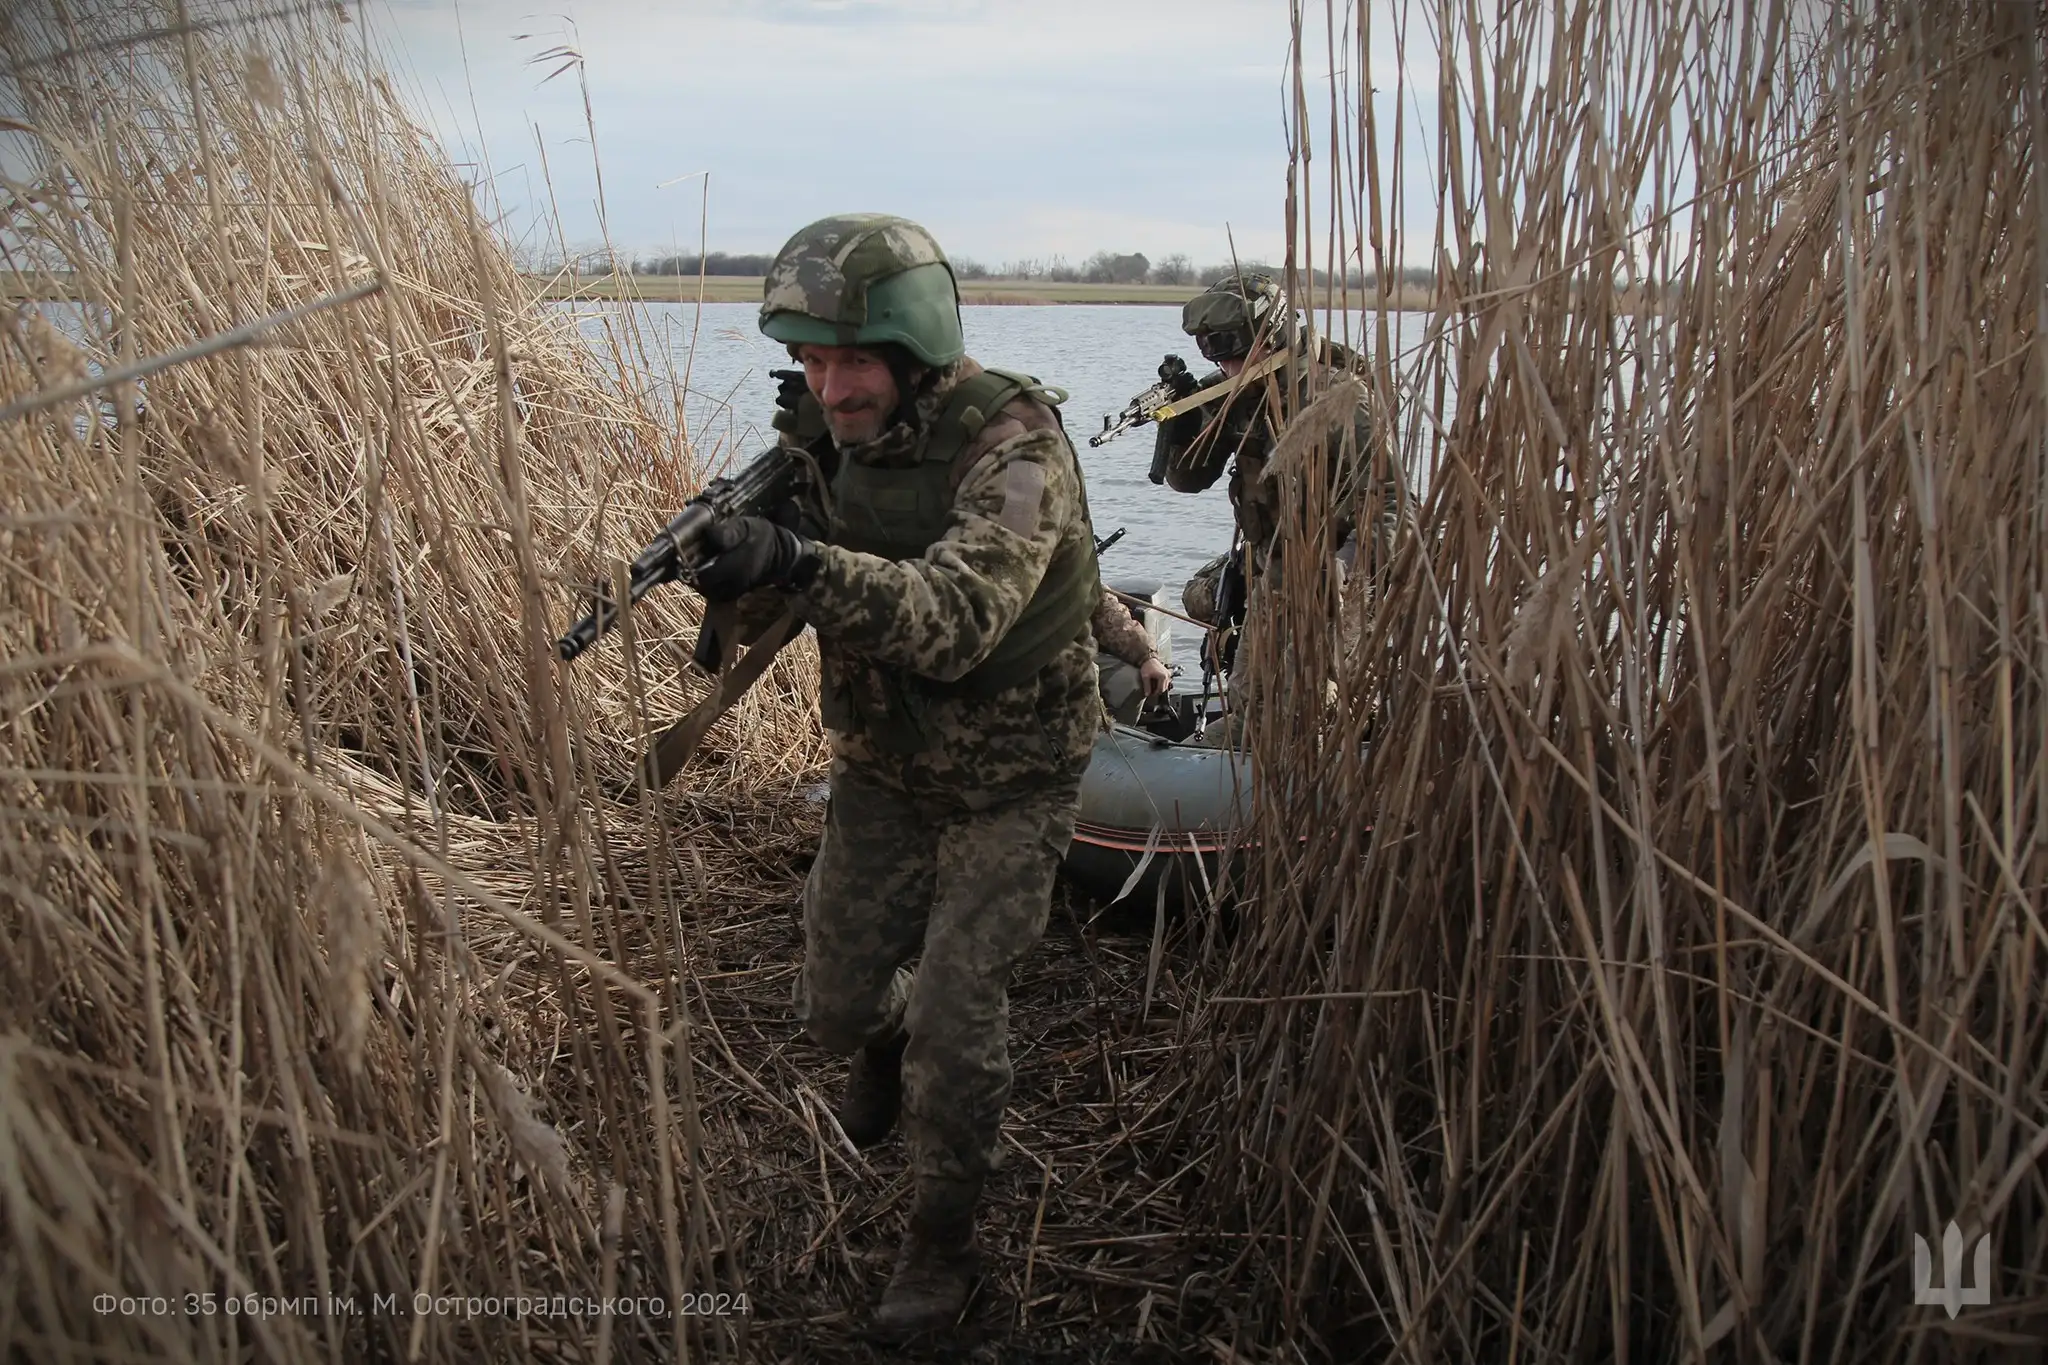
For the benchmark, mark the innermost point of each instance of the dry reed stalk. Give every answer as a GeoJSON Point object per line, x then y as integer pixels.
{"type": "Point", "coordinates": [1669, 950]}
{"type": "Point", "coordinates": [307, 845]}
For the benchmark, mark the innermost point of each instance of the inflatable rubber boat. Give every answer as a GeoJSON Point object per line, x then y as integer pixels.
{"type": "Point", "coordinates": [1158, 807]}
{"type": "Point", "coordinates": [1154, 797]}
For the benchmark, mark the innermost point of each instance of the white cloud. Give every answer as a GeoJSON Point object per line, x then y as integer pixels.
{"type": "Point", "coordinates": [1011, 130]}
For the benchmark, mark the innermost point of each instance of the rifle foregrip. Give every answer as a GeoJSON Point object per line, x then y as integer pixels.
{"type": "Point", "coordinates": [765, 479]}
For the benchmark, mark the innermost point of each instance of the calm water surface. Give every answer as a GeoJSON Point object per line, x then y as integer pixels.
{"type": "Point", "coordinates": [1100, 353]}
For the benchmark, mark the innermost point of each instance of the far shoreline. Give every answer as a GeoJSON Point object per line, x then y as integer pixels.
{"type": "Point", "coordinates": [55, 287]}
{"type": "Point", "coordinates": [747, 289]}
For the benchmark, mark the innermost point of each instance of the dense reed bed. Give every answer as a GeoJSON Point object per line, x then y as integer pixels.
{"type": "Point", "coordinates": [1649, 941]}
{"type": "Point", "coordinates": [342, 959]}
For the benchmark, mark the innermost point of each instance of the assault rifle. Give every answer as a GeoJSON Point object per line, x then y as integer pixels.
{"type": "Point", "coordinates": [768, 479]}
{"type": "Point", "coordinates": [1174, 380]}
{"type": "Point", "coordinates": [1176, 393]}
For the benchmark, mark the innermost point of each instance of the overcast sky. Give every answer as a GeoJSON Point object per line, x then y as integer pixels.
{"type": "Point", "coordinates": [1025, 128]}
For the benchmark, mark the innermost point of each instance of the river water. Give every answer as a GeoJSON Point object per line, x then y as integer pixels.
{"type": "Point", "coordinates": [1100, 353]}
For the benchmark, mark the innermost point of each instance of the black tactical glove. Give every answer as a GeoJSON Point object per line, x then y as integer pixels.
{"type": "Point", "coordinates": [1173, 372]}
{"type": "Point", "coordinates": [744, 553]}
{"type": "Point", "coordinates": [797, 415]}
{"type": "Point", "coordinates": [784, 514]}
{"type": "Point", "coordinates": [790, 388]}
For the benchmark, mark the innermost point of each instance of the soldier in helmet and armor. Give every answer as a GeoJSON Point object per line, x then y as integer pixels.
{"type": "Point", "coordinates": [1236, 323]}
{"type": "Point", "coordinates": [942, 552]}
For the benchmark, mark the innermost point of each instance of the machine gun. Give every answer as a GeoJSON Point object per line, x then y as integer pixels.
{"type": "Point", "coordinates": [1177, 392]}
{"type": "Point", "coordinates": [768, 479]}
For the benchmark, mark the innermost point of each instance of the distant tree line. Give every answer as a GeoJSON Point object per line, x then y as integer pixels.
{"type": "Point", "coordinates": [1104, 267]}
{"type": "Point", "coordinates": [1109, 267]}
{"type": "Point", "coordinates": [714, 263]}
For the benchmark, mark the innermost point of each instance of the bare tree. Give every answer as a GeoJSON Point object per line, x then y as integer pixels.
{"type": "Point", "coordinates": [1107, 267]}
{"type": "Point", "coordinates": [1174, 269]}
{"type": "Point", "coordinates": [537, 255]}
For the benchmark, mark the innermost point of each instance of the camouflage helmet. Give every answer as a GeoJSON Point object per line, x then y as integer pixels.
{"type": "Point", "coordinates": [1227, 317]}
{"type": "Point", "coordinates": [861, 279]}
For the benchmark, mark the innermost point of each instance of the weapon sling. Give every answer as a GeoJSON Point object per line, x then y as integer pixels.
{"type": "Point", "coordinates": [670, 753]}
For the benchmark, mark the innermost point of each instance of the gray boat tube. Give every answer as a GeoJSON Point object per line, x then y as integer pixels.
{"type": "Point", "coordinates": [1180, 803]}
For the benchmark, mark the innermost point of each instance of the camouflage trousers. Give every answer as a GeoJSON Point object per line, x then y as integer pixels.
{"type": "Point", "coordinates": [1242, 683]}
{"type": "Point", "coordinates": [897, 877]}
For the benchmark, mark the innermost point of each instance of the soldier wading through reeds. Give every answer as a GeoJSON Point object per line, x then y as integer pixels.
{"type": "Point", "coordinates": [942, 551]}
{"type": "Point", "coordinates": [1275, 366]}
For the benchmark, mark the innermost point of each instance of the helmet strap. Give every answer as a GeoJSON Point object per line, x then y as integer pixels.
{"type": "Point", "coordinates": [909, 373]}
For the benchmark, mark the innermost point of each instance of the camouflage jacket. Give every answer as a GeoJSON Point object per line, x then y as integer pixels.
{"type": "Point", "coordinates": [1120, 634]}
{"type": "Point", "coordinates": [1193, 449]}
{"type": "Point", "coordinates": [938, 616]}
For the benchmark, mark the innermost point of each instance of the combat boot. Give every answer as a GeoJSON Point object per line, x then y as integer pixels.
{"type": "Point", "coordinates": [874, 1092]}
{"type": "Point", "coordinates": [936, 1268]}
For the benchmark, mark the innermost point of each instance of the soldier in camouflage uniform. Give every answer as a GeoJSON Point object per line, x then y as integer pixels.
{"type": "Point", "coordinates": [943, 554]}
{"type": "Point", "coordinates": [1236, 323]}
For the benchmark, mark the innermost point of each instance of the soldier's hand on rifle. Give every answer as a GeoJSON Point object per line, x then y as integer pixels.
{"type": "Point", "coordinates": [784, 514]}
{"type": "Point", "coordinates": [1173, 372]}
{"type": "Point", "coordinates": [744, 553]}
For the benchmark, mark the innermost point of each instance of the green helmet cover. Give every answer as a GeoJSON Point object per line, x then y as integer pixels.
{"type": "Point", "coordinates": [1237, 306]}
{"type": "Point", "coordinates": [860, 279]}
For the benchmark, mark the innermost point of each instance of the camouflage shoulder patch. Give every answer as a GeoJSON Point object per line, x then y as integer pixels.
{"type": "Point", "coordinates": [1021, 416]}
{"type": "Point", "coordinates": [1023, 495]}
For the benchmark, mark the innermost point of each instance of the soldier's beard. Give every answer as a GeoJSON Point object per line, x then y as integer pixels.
{"type": "Point", "coordinates": [853, 424]}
